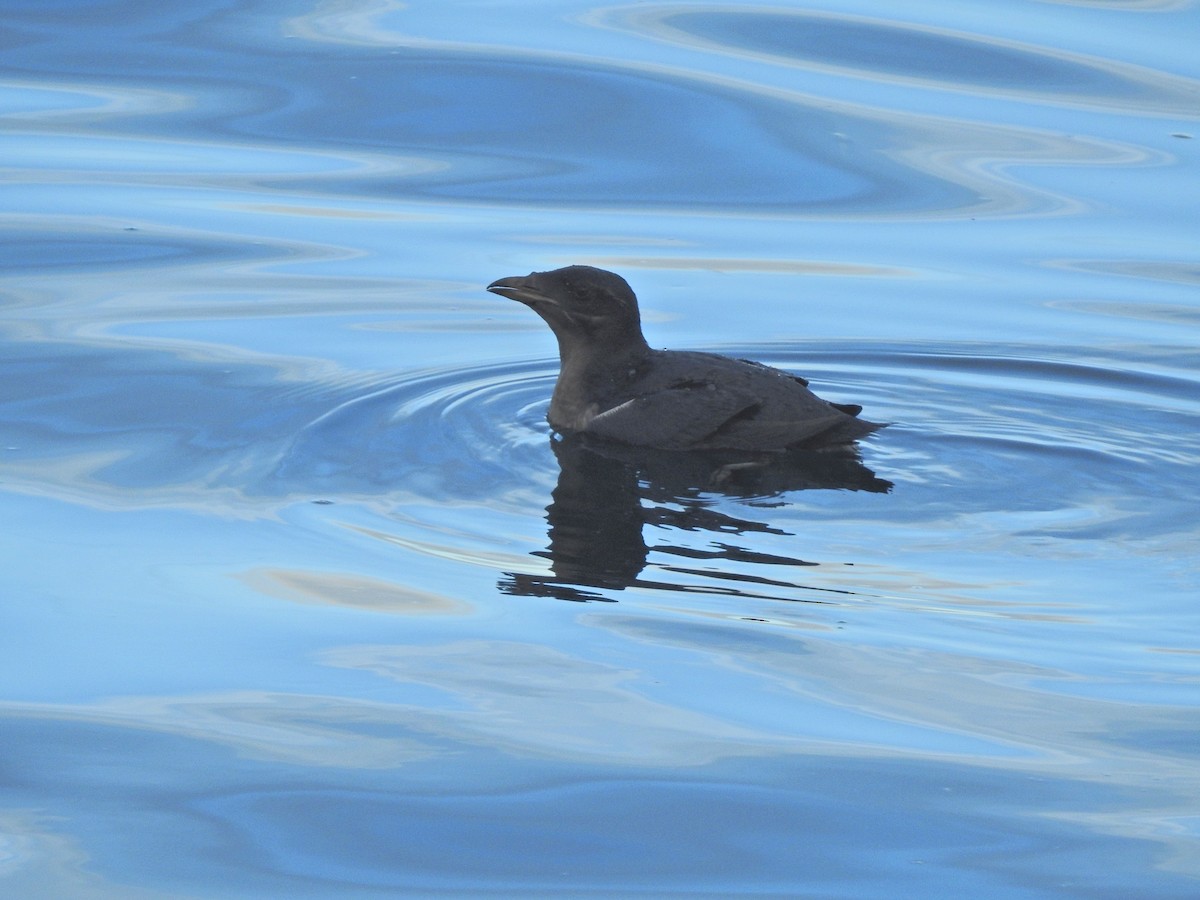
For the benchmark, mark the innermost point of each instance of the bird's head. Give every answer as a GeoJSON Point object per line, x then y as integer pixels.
{"type": "Point", "coordinates": [588, 309]}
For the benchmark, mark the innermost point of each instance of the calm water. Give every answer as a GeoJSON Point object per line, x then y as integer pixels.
{"type": "Point", "coordinates": [299, 598]}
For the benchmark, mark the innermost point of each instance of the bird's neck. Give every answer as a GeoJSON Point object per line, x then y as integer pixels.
{"type": "Point", "coordinates": [588, 376]}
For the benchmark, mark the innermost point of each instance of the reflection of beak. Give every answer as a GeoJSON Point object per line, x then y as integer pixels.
{"type": "Point", "coordinates": [519, 288]}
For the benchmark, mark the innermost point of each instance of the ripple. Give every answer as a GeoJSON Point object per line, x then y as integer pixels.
{"type": "Point", "coordinates": [1025, 440]}
{"type": "Point", "coordinates": [472, 122]}
{"type": "Point", "coordinates": [650, 137]}
{"type": "Point", "coordinates": [44, 248]}
{"type": "Point", "coordinates": [1035, 397]}
{"type": "Point", "coordinates": [1172, 271]}
{"type": "Point", "coordinates": [453, 433]}
{"type": "Point", "coordinates": [893, 50]}
{"type": "Point", "coordinates": [467, 433]}
{"type": "Point", "coordinates": [1055, 401]}
{"type": "Point", "coordinates": [1021, 441]}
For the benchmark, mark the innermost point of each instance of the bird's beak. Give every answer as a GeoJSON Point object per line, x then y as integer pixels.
{"type": "Point", "coordinates": [520, 287]}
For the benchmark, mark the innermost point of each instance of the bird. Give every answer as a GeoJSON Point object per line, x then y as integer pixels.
{"type": "Point", "coordinates": [612, 385]}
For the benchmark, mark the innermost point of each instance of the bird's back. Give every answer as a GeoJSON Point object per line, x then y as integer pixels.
{"type": "Point", "coordinates": [690, 400]}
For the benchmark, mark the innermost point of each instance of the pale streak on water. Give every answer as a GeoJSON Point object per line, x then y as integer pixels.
{"type": "Point", "coordinates": [286, 544]}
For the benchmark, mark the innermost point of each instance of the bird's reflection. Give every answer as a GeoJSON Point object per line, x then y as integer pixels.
{"type": "Point", "coordinates": [608, 493]}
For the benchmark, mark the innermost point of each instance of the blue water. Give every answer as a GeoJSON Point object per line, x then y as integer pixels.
{"type": "Point", "coordinates": [299, 597]}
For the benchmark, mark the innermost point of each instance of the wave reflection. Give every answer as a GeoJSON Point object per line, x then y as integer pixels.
{"type": "Point", "coordinates": [979, 435]}
{"type": "Point", "coordinates": [893, 50]}
{"type": "Point", "coordinates": [438, 120]}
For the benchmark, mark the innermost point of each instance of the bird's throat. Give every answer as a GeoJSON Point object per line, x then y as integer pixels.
{"type": "Point", "coordinates": [591, 380]}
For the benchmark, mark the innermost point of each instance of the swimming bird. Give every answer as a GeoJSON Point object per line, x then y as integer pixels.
{"type": "Point", "coordinates": [612, 385]}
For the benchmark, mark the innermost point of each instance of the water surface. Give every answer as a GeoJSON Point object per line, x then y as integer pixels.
{"type": "Point", "coordinates": [301, 595]}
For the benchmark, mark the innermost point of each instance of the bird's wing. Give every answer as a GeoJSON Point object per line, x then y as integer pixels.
{"type": "Point", "coordinates": [759, 432]}
{"type": "Point", "coordinates": [675, 417]}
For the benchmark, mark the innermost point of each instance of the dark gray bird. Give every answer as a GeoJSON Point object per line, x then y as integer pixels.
{"type": "Point", "coordinates": [612, 385]}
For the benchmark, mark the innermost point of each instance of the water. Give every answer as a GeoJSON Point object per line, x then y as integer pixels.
{"type": "Point", "coordinates": [300, 597]}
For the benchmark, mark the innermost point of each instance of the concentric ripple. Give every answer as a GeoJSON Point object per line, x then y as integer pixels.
{"type": "Point", "coordinates": [1025, 427]}
{"type": "Point", "coordinates": [1019, 441]}
{"type": "Point", "coordinates": [464, 432]}
{"type": "Point", "coordinates": [452, 433]}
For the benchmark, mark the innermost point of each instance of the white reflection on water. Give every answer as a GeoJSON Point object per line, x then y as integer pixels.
{"type": "Point", "coordinates": [37, 860]}
{"type": "Point", "coordinates": [716, 264]}
{"type": "Point", "coordinates": [344, 589]}
{"type": "Point", "coordinates": [495, 684]}
{"type": "Point", "coordinates": [767, 142]}
{"type": "Point", "coordinates": [288, 728]}
{"type": "Point", "coordinates": [514, 717]}
{"type": "Point", "coordinates": [892, 51]}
